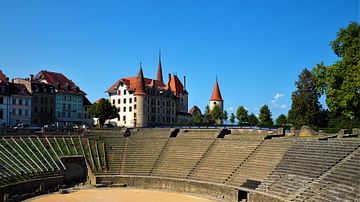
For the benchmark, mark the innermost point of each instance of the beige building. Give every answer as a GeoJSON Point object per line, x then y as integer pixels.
{"type": "Point", "coordinates": [143, 102]}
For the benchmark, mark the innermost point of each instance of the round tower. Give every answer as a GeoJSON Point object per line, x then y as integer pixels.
{"type": "Point", "coordinates": [141, 118]}
{"type": "Point", "coordinates": [216, 99]}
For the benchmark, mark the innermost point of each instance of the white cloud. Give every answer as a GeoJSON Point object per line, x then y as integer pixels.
{"type": "Point", "coordinates": [278, 95]}
{"type": "Point", "coordinates": [231, 109]}
{"type": "Point", "coordinates": [275, 101]}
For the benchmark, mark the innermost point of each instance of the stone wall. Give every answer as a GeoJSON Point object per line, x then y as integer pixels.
{"type": "Point", "coordinates": [217, 191]}
{"type": "Point", "coordinates": [23, 190]}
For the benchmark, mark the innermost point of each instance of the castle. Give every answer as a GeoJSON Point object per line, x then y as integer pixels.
{"type": "Point", "coordinates": [143, 102]}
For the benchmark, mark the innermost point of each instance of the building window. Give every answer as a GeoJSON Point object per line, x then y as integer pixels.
{"type": "Point", "coordinates": [124, 101]}
{"type": "Point", "coordinates": [1, 114]}
{"type": "Point", "coordinates": [68, 114]}
{"type": "Point", "coordinates": [63, 106]}
{"type": "Point", "coordinates": [135, 106]}
{"type": "Point", "coordinates": [124, 109]}
{"type": "Point", "coordinates": [124, 92]}
{"type": "Point", "coordinates": [26, 112]}
{"type": "Point", "coordinates": [130, 100]}
{"type": "Point", "coordinates": [79, 115]}
{"type": "Point", "coordinates": [20, 112]}
{"type": "Point", "coordinates": [36, 110]}
{"type": "Point", "coordinates": [64, 97]}
{"type": "Point", "coordinates": [1, 100]}
{"type": "Point", "coordinates": [69, 106]}
{"type": "Point", "coordinates": [134, 115]}
{"type": "Point", "coordinates": [118, 109]}
{"type": "Point", "coordinates": [13, 112]}
{"type": "Point", "coordinates": [119, 101]}
{"type": "Point", "coordinates": [113, 101]}
{"type": "Point", "coordinates": [124, 118]}
{"type": "Point", "coordinates": [27, 102]}
{"type": "Point", "coordinates": [14, 101]}
{"type": "Point", "coordinates": [134, 99]}
{"type": "Point", "coordinates": [35, 99]}
{"type": "Point", "coordinates": [130, 109]}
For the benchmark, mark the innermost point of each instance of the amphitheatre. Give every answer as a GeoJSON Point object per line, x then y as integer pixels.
{"type": "Point", "coordinates": [216, 164]}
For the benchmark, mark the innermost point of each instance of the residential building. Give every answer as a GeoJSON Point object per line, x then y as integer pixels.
{"type": "Point", "coordinates": [69, 99]}
{"type": "Point", "coordinates": [43, 101]}
{"type": "Point", "coordinates": [20, 105]}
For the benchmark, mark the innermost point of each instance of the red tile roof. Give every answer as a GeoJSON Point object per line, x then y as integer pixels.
{"type": "Point", "coordinates": [140, 84]}
{"type": "Point", "coordinates": [194, 109]}
{"type": "Point", "coordinates": [159, 73]}
{"type": "Point", "coordinates": [19, 89]}
{"type": "Point", "coordinates": [176, 86]}
{"type": "Point", "coordinates": [216, 95]}
{"type": "Point", "coordinates": [61, 82]}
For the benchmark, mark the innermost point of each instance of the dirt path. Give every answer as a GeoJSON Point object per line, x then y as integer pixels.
{"type": "Point", "coordinates": [118, 195]}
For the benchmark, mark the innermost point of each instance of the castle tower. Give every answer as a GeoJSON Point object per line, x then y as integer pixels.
{"type": "Point", "coordinates": [159, 71]}
{"type": "Point", "coordinates": [216, 98]}
{"type": "Point", "coordinates": [141, 118]}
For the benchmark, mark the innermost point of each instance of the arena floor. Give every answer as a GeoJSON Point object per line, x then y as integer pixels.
{"type": "Point", "coordinates": [118, 195]}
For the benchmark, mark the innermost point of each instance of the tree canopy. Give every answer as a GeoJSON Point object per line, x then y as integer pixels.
{"type": "Point", "coordinates": [265, 119]}
{"type": "Point", "coordinates": [305, 107]}
{"type": "Point", "coordinates": [232, 118]}
{"type": "Point", "coordinates": [103, 110]}
{"type": "Point", "coordinates": [253, 120]}
{"type": "Point", "coordinates": [242, 115]}
{"type": "Point", "coordinates": [281, 120]}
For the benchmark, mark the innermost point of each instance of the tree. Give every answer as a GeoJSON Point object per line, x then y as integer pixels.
{"type": "Point", "coordinates": [103, 110]}
{"type": "Point", "coordinates": [305, 107]}
{"type": "Point", "coordinates": [207, 112]}
{"type": "Point", "coordinates": [281, 120]}
{"type": "Point", "coordinates": [342, 79]}
{"type": "Point", "coordinates": [225, 116]}
{"type": "Point", "coordinates": [265, 119]}
{"type": "Point", "coordinates": [216, 114]}
{"type": "Point", "coordinates": [242, 115]}
{"type": "Point", "coordinates": [232, 118]}
{"type": "Point", "coordinates": [253, 120]}
{"type": "Point", "coordinates": [198, 118]}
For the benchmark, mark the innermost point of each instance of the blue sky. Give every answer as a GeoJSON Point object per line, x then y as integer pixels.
{"type": "Point", "coordinates": [256, 48]}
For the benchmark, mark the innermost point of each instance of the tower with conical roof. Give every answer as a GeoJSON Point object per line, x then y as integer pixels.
{"type": "Point", "coordinates": [216, 99]}
{"type": "Point", "coordinates": [141, 114]}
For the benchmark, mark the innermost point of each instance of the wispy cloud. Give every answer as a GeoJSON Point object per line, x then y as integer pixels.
{"type": "Point", "coordinates": [275, 101]}
{"type": "Point", "coordinates": [231, 109]}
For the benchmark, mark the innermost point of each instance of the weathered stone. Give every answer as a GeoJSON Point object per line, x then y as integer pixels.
{"type": "Point", "coordinates": [306, 131]}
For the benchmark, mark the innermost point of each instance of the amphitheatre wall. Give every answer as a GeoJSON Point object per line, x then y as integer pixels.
{"type": "Point", "coordinates": [217, 191]}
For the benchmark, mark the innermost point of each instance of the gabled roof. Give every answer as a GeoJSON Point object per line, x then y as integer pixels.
{"type": "Point", "coordinates": [216, 95]}
{"type": "Point", "coordinates": [176, 86]}
{"type": "Point", "coordinates": [60, 81]}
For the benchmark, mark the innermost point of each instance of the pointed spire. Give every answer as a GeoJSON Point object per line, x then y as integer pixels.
{"type": "Point", "coordinates": [140, 83]}
{"type": "Point", "coordinates": [216, 95]}
{"type": "Point", "coordinates": [159, 71]}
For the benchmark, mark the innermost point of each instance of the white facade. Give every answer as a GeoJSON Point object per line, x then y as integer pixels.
{"type": "Point", "coordinates": [125, 103]}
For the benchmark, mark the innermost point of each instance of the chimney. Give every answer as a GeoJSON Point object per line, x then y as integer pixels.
{"type": "Point", "coordinates": [169, 77]}
{"type": "Point", "coordinates": [31, 77]}
{"type": "Point", "coordinates": [184, 82]}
